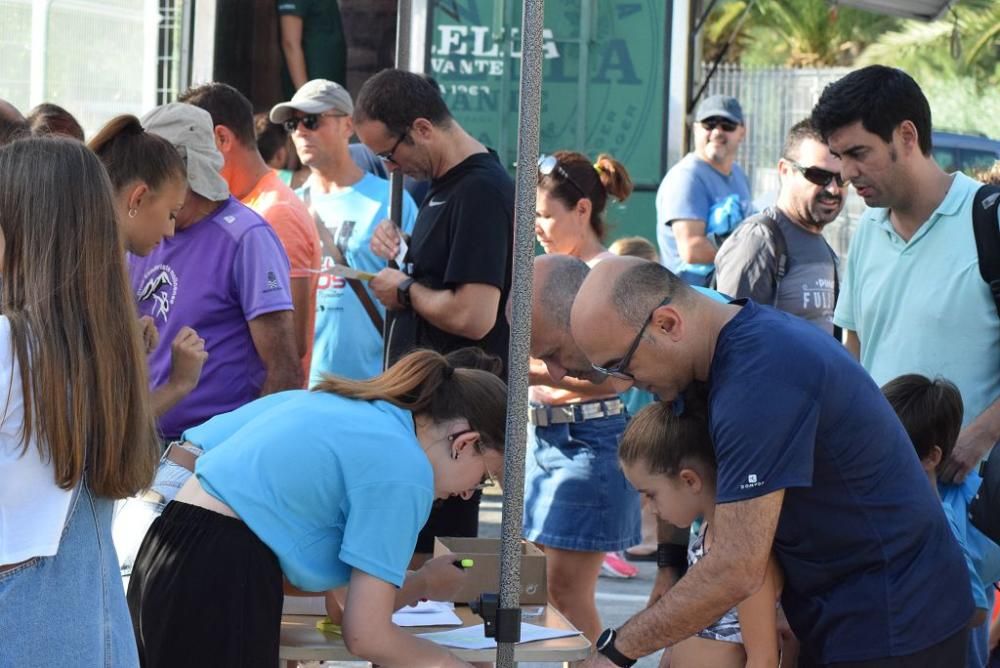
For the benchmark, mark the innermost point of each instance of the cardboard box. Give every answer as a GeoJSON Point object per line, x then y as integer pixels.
{"type": "Point", "coordinates": [485, 575]}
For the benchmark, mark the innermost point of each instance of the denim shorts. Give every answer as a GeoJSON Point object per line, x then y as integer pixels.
{"type": "Point", "coordinates": [575, 495]}
{"type": "Point", "coordinates": [134, 515]}
{"type": "Point", "coordinates": [69, 609]}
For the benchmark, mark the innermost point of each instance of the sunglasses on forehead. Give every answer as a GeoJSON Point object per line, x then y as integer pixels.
{"type": "Point", "coordinates": [547, 164]}
{"type": "Point", "coordinates": [819, 177]}
{"type": "Point", "coordinates": [726, 126]}
{"type": "Point", "coordinates": [310, 121]}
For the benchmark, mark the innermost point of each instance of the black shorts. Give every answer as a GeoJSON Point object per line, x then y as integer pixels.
{"type": "Point", "coordinates": [949, 652]}
{"type": "Point", "coordinates": [205, 591]}
{"type": "Point", "coordinates": [452, 517]}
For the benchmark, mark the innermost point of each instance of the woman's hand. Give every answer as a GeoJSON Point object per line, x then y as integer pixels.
{"type": "Point", "coordinates": [442, 579]}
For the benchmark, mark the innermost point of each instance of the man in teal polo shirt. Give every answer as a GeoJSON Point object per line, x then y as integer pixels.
{"type": "Point", "coordinates": [913, 300]}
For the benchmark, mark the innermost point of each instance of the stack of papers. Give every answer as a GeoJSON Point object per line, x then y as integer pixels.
{"type": "Point", "coordinates": [472, 637]}
{"type": "Point", "coordinates": [427, 613]}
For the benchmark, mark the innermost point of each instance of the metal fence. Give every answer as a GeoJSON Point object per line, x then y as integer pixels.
{"type": "Point", "coordinates": [96, 58]}
{"type": "Point", "coordinates": [773, 100]}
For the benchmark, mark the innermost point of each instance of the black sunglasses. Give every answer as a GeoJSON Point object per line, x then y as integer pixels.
{"type": "Point", "coordinates": [549, 163]}
{"type": "Point", "coordinates": [619, 370]}
{"type": "Point", "coordinates": [819, 177]}
{"type": "Point", "coordinates": [711, 123]}
{"type": "Point", "coordinates": [311, 121]}
{"type": "Point", "coordinates": [387, 155]}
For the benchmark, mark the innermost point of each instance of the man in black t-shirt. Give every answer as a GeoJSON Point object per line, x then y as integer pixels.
{"type": "Point", "coordinates": [456, 268]}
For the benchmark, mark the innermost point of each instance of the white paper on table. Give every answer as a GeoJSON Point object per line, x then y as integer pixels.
{"type": "Point", "coordinates": [427, 613]}
{"type": "Point", "coordinates": [472, 637]}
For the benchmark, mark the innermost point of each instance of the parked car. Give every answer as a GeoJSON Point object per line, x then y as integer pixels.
{"type": "Point", "coordinates": [964, 153]}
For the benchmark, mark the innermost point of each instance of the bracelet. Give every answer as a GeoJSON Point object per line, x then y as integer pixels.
{"type": "Point", "coordinates": [669, 555]}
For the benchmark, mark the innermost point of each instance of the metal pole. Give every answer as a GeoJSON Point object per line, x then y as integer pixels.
{"type": "Point", "coordinates": [404, 17]}
{"type": "Point", "coordinates": [520, 327]}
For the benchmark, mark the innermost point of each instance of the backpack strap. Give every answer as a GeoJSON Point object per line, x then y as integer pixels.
{"type": "Point", "coordinates": [770, 222]}
{"type": "Point", "coordinates": [333, 250]}
{"type": "Point", "coordinates": [987, 229]}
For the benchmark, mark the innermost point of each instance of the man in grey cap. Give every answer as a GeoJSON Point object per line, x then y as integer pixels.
{"type": "Point", "coordinates": [705, 195]}
{"type": "Point", "coordinates": [225, 274]}
{"type": "Point", "coordinates": [348, 204]}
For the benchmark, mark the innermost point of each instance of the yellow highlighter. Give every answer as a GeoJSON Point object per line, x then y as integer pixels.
{"type": "Point", "coordinates": [463, 563]}
{"type": "Point", "coordinates": [326, 625]}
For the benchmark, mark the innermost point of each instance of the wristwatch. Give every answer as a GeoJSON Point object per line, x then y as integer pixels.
{"type": "Point", "coordinates": [606, 647]}
{"type": "Point", "coordinates": [403, 292]}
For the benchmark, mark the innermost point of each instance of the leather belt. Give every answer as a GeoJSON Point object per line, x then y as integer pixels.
{"type": "Point", "coordinates": [180, 456]}
{"type": "Point", "coordinates": [543, 415]}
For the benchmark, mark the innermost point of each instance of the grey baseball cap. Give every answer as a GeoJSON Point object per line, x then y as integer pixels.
{"type": "Point", "coordinates": [720, 106]}
{"type": "Point", "coordinates": [190, 130]}
{"type": "Point", "coordinates": [314, 97]}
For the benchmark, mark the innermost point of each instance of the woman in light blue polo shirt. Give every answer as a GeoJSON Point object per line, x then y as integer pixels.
{"type": "Point", "coordinates": [316, 490]}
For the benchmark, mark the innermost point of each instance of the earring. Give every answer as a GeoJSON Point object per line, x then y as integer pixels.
{"type": "Point", "coordinates": [132, 212]}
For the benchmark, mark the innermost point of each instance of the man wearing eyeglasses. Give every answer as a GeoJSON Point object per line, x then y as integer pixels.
{"type": "Point", "coordinates": [705, 195]}
{"type": "Point", "coordinates": [347, 204]}
{"type": "Point", "coordinates": [456, 269]}
{"type": "Point", "coordinates": [779, 256]}
{"type": "Point", "coordinates": [812, 466]}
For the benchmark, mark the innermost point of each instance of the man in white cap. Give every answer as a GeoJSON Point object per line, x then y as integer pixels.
{"type": "Point", "coordinates": [225, 274]}
{"type": "Point", "coordinates": [705, 195]}
{"type": "Point", "coordinates": [348, 203]}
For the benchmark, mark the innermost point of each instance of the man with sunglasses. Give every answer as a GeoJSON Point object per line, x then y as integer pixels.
{"type": "Point", "coordinates": [347, 204]}
{"type": "Point", "coordinates": [705, 195]}
{"type": "Point", "coordinates": [779, 256]}
{"type": "Point", "coordinates": [456, 272]}
{"type": "Point", "coordinates": [812, 465]}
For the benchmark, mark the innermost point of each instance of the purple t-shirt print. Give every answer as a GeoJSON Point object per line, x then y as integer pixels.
{"type": "Point", "coordinates": [214, 276]}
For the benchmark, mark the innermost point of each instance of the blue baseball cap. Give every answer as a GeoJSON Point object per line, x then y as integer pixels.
{"type": "Point", "coordinates": [719, 106]}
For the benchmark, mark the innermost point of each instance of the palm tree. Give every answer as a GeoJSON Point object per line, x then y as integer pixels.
{"type": "Point", "coordinates": [801, 33]}
{"type": "Point", "coordinates": [964, 44]}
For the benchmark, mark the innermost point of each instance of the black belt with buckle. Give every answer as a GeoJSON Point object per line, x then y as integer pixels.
{"type": "Point", "coordinates": [543, 415]}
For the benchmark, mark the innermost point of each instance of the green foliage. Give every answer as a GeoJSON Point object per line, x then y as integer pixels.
{"type": "Point", "coordinates": [799, 33]}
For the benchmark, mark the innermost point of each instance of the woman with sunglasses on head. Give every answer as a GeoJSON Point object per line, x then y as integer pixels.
{"type": "Point", "coordinates": [317, 490]}
{"type": "Point", "coordinates": [578, 505]}
{"type": "Point", "coordinates": [76, 430]}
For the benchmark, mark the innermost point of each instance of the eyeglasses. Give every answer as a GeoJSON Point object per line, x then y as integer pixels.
{"type": "Point", "coordinates": [549, 163]}
{"type": "Point", "coordinates": [711, 123]}
{"type": "Point", "coordinates": [488, 479]}
{"type": "Point", "coordinates": [619, 370]}
{"type": "Point", "coordinates": [819, 177]}
{"type": "Point", "coordinates": [311, 121]}
{"type": "Point", "coordinates": [387, 155]}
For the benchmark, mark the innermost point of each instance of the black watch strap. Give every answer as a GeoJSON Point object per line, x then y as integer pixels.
{"type": "Point", "coordinates": [403, 292]}
{"type": "Point", "coordinates": [606, 647]}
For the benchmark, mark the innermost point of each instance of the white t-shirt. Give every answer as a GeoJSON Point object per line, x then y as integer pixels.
{"type": "Point", "coordinates": [32, 507]}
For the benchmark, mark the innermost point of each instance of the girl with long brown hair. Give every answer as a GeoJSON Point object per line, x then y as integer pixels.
{"type": "Point", "coordinates": [318, 489]}
{"type": "Point", "coordinates": [76, 430]}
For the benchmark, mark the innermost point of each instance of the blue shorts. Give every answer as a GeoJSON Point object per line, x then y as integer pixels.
{"type": "Point", "coordinates": [575, 495]}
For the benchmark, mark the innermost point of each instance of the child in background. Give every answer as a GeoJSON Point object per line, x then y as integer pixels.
{"type": "Point", "coordinates": [931, 412]}
{"type": "Point", "coordinates": [669, 458]}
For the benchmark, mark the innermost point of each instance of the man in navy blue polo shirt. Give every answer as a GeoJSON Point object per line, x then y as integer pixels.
{"type": "Point", "coordinates": [812, 464]}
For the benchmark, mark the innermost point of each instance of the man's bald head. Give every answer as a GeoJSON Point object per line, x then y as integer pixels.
{"type": "Point", "coordinates": [630, 288]}
{"type": "Point", "coordinates": [557, 280]}
{"type": "Point", "coordinates": [13, 125]}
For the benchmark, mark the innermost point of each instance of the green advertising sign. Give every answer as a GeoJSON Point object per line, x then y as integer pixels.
{"type": "Point", "coordinates": [603, 87]}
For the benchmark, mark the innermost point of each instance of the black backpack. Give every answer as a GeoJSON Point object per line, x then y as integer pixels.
{"type": "Point", "coordinates": [984, 511]}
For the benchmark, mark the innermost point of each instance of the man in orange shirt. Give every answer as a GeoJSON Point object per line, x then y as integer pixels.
{"type": "Point", "coordinates": [256, 185]}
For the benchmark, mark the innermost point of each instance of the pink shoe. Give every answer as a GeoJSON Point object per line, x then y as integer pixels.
{"type": "Point", "coordinates": [614, 566]}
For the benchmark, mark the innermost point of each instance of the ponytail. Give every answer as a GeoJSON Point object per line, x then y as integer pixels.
{"type": "Point", "coordinates": [427, 383]}
{"type": "Point", "coordinates": [614, 176]}
{"type": "Point", "coordinates": [130, 154]}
